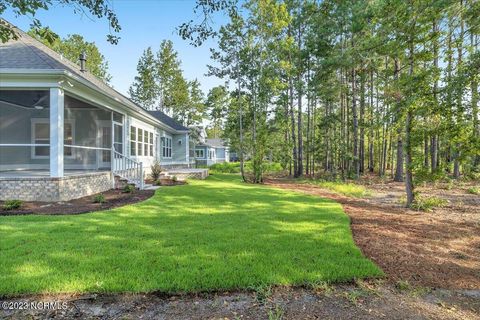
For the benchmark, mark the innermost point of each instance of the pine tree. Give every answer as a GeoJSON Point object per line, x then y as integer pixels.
{"type": "Point", "coordinates": [145, 89]}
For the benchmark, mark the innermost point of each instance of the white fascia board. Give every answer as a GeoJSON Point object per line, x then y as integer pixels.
{"type": "Point", "coordinates": [31, 79]}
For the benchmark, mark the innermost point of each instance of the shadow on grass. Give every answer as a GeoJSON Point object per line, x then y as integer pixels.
{"type": "Point", "coordinates": [208, 235]}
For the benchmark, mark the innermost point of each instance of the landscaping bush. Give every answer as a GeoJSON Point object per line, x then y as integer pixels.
{"type": "Point", "coordinates": [225, 167]}
{"type": "Point", "coordinates": [99, 198]}
{"type": "Point", "coordinates": [234, 167]}
{"type": "Point", "coordinates": [128, 188]}
{"type": "Point", "coordinates": [271, 167]}
{"type": "Point", "coordinates": [12, 204]}
{"type": "Point", "coordinates": [155, 170]}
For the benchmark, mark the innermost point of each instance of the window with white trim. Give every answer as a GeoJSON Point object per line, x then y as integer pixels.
{"type": "Point", "coordinates": [150, 144]}
{"type": "Point", "coordinates": [167, 147]}
{"type": "Point", "coordinates": [146, 145]}
{"type": "Point", "coordinates": [133, 139]}
{"type": "Point", "coordinates": [41, 135]}
{"type": "Point", "coordinates": [141, 142]}
{"type": "Point", "coordinates": [200, 153]}
{"type": "Point", "coordinates": [211, 154]}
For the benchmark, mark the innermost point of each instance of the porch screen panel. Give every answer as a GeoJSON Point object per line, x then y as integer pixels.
{"type": "Point", "coordinates": [106, 140]}
{"type": "Point", "coordinates": [17, 109]}
{"type": "Point", "coordinates": [118, 135]}
{"type": "Point", "coordinates": [41, 135]}
{"type": "Point", "coordinates": [68, 138]}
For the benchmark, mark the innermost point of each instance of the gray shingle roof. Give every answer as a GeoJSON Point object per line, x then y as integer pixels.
{"type": "Point", "coordinates": [29, 53]}
{"type": "Point", "coordinates": [168, 120]}
{"type": "Point", "coordinates": [217, 143]}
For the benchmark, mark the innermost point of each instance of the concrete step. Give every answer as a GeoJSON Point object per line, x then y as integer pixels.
{"type": "Point", "coordinates": [150, 187]}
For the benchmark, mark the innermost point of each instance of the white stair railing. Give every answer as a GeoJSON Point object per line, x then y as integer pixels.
{"type": "Point", "coordinates": [128, 169]}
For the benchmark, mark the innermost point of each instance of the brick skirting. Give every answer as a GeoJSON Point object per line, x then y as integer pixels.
{"type": "Point", "coordinates": [54, 189]}
{"type": "Point", "coordinates": [183, 175]}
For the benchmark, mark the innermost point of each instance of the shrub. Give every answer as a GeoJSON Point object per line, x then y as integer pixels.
{"type": "Point", "coordinates": [99, 198]}
{"type": "Point", "coordinates": [174, 178]}
{"type": "Point", "coordinates": [234, 167]}
{"type": "Point", "coordinates": [428, 203]}
{"type": "Point", "coordinates": [128, 188]}
{"type": "Point", "coordinates": [474, 190]}
{"type": "Point", "coordinates": [12, 204]}
{"type": "Point", "coordinates": [225, 167]}
{"type": "Point", "coordinates": [155, 170]}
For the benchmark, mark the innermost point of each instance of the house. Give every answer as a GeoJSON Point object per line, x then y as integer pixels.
{"type": "Point", "coordinates": [65, 134]}
{"type": "Point", "coordinates": [210, 151]}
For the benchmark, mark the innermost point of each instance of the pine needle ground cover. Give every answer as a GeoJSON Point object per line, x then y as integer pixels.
{"type": "Point", "coordinates": [214, 234]}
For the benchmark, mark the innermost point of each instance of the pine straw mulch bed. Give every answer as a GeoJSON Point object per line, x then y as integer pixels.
{"type": "Point", "coordinates": [438, 249]}
{"type": "Point", "coordinates": [113, 199]}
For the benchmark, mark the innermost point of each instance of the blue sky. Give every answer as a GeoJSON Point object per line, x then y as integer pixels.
{"type": "Point", "coordinates": [144, 23]}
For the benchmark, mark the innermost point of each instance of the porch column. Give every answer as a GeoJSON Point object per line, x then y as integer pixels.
{"type": "Point", "coordinates": [56, 132]}
{"type": "Point", "coordinates": [187, 149]}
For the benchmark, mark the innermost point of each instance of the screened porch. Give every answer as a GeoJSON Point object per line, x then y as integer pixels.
{"type": "Point", "coordinates": [50, 133]}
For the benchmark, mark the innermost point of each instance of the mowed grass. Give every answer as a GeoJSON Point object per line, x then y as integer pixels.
{"type": "Point", "coordinates": [214, 234]}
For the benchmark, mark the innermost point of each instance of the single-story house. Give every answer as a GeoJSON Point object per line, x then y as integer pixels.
{"type": "Point", "coordinates": [65, 134]}
{"type": "Point", "coordinates": [211, 151]}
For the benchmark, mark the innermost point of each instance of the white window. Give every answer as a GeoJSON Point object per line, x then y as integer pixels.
{"type": "Point", "coordinates": [151, 144]}
{"type": "Point", "coordinates": [133, 139]}
{"type": "Point", "coordinates": [41, 135]}
{"type": "Point", "coordinates": [167, 147]}
{"type": "Point", "coordinates": [146, 145]}
{"type": "Point", "coordinates": [141, 142]}
{"type": "Point", "coordinates": [211, 154]}
{"type": "Point", "coordinates": [200, 153]}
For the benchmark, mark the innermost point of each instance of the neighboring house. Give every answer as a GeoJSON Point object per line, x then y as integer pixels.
{"type": "Point", "coordinates": [65, 134]}
{"type": "Point", "coordinates": [233, 156]}
{"type": "Point", "coordinates": [210, 151]}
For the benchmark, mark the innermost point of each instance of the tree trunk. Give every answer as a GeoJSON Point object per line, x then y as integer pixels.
{"type": "Point", "coordinates": [240, 120]}
{"type": "Point", "coordinates": [474, 93]}
{"type": "Point", "coordinates": [399, 167]}
{"type": "Point", "coordinates": [371, 163]}
{"type": "Point", "coordinates": [456, 164]}
{"type": "Point", "coordinates": [356, 162]}
{"type": "Point", "coordinates": [292, 120]}
{"type": "Point", "coordinates": [433, 142]}
{"type": "Point", "coordinates": [409, 187]}
{"type": "Point", "coordinates": [362, 123]}
{"type": "Point", "coordinates": [433, 153]}
{"type": "Point", "coordinates": [299, 172]}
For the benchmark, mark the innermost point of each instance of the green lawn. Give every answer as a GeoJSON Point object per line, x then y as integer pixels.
{"type": "Point", "coordinates": [212, 234]}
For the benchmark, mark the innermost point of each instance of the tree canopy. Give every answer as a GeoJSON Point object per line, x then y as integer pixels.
{"type": "Point", "coordinates": [348, 88]}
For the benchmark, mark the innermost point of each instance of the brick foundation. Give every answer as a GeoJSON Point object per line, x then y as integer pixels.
{"type": "Point", "coordinates": [54, 189]}
{"type": "Point", "coordinates": [189, 174]}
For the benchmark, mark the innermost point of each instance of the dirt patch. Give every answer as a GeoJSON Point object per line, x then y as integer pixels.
{"type": "Point", "coordinates": [439, 249]}
{"type": "Point", "coordinates": [113, 199]}
{"type": "Point", "coordinates": [368, 301]}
